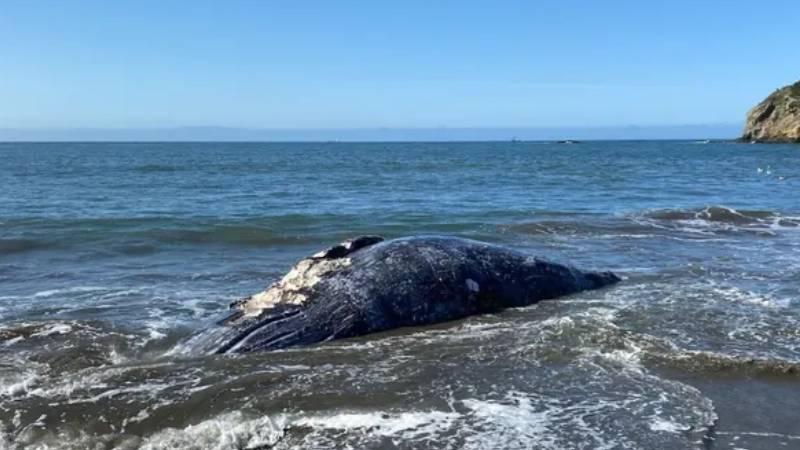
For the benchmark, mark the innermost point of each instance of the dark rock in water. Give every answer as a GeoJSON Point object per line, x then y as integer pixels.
{"type": "Point", "coordinates": [776, 118]}
{"type": "Point", "coordinates": [367, 285]}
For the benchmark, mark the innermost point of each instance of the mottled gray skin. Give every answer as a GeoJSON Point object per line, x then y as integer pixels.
{"type": "Point", "coordinates": [381, 285]}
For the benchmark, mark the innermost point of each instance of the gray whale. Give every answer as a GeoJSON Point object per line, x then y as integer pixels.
{"type": "Point", "coordinates": [367, 284]}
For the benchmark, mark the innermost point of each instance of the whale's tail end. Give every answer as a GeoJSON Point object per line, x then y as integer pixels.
{"type": "Point", "coordinates": [597, 280]}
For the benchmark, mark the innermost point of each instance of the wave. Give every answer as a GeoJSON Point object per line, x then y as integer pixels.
{"type": "Point", "coordinates": [9, 246]}
{"type": "Point", "coordinates": [515, 421]}
{"type": "Point", "coordinates": [636, 350]}
{"type": "Point", "coordinates": [716, 221]}
{"type": "Point", "coordinates": [18, 332]}
{"type": "Point", "coordinates": [140, 236]}
{"type": "Point", "coordinates": [712, 362]}
{"type": "Point", "coordinates": [146, 235]}
{"type": "Point", "coordinates": [698, 223]}
{"type": "Point", "coordinates": [148, 168]}
{"type": "Point", "coordinates": [228, 430]}
{"type": "Point", "coordinates": [223, 234]}
{"type": "Point", "coordinates": [573, 227]}
{"type": "Point", "coordinates": [722, 214]}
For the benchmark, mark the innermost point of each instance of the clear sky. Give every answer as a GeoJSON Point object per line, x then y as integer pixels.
{"type": "Point", "coordinates": [355, 64]}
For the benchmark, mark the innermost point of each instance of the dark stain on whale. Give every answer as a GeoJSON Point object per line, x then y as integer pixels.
{"type": "Point", "coordinates": [367, 284]}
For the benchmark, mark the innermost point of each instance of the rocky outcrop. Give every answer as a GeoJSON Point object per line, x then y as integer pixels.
{"type": "Point", "coordinates": [777, 118]}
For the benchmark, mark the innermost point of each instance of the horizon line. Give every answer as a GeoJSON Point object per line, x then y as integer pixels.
{"type": "Point", "coordinates": [453, 141]}
{"type": "Point", "coordinates": [360, 128]}
{"type": "Point", "coordinates": [724, 131]}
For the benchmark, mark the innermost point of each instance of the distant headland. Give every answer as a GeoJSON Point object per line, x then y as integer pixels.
{"type": "Point", "coordinates": [776, 118]}
{"type": "Point", "coordinates": [437, 134]}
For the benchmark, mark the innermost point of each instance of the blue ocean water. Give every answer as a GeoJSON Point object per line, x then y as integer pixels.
{"type": "Point", "coordinates": [112, 253]}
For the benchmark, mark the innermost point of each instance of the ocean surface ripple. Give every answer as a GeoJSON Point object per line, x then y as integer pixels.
{"type": "Point", "coordinates": [112, 254]}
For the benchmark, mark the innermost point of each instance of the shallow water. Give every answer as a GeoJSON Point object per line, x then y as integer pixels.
{"type": "Point", "coordinates": [112, 254]}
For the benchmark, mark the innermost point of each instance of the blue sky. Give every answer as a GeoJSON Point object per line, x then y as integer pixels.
{"type": "Point", "coordinates": [358, 64]}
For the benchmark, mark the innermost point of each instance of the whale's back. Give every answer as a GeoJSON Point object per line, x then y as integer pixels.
{"type": "Point", "coordinates": [368, 285]}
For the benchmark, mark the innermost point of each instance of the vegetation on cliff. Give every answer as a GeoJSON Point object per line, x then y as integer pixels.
{"type": "Point", "coordinates": [776, 118]}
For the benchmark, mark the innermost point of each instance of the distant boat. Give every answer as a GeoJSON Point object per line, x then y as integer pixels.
{"type": "Point", "coordinates": [567, 141]}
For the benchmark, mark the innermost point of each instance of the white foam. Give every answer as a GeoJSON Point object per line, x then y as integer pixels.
{"type": "Point", "coordinates": [13, 341]}
{"type": "Point", "coordinates": [69, 290]}
{"type": "Point", "coordinates": [19, 383]}
{"type": "Point", "coordinates": [513, 422]}
{"type": "Point", "coordinates": [226, 431]}
{"type": "Point", "coordinates": [736, 294]}
{"type": "Point", "coordinates": [86, 386]}
{"type": "Point", "coordinates": [668, 426]}
{"type": "Point", "coordinates": [54, 328]}
{"type": "Point", "coordinates": [792, 437]}
{"type": "Point", "coordinates": [408, 425]}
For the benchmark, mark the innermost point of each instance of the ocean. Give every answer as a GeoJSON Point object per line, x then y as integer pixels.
{"type": "Point", "coordinates": [112, 254]}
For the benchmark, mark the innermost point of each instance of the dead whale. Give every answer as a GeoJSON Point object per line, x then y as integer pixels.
{"type": "Point", "coordinates": [367, 284]}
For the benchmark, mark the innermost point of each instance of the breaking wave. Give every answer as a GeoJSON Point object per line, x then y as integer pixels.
{"type": "Point", "coordinates": [713, 219]}
{"type": "Point", "coordinates": [702, 223]}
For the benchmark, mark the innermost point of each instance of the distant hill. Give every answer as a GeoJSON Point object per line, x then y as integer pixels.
{"type": "Point", "coordinates": [223, 134]}
{"type": "Point", "coordinates": [776, 118]}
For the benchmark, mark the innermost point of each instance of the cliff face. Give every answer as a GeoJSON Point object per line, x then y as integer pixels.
{"type": "Point", "coordinates": [777, 118]}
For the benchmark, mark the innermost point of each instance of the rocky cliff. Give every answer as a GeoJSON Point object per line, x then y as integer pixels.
{"type": "Point", "coordinates": [776, 118]}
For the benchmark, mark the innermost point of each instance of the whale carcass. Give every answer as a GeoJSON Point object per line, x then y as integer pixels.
{"type": "Point", "coordinates": [368, 284]}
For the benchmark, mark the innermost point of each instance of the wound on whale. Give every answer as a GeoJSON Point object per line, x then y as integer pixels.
{"type": "Point", "coordinates": [368, 284]}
